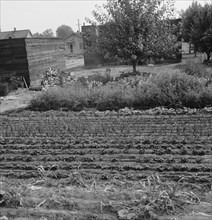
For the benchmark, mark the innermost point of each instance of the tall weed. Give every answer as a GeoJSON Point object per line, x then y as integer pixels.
{"type": "Point", "coordinates": [170, 90]}
{"type": "Point", "coordinates": [196, 69]}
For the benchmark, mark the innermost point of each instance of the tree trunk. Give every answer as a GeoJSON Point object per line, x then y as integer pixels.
{"type": "Point", "coordinates": [134, 66]}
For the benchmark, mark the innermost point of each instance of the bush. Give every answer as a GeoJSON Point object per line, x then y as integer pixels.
{"type": "Point", "coordinates": [95, 77]}
{"type": "Point", "coordinates": [114, 97]}
{"type": "Point", "coordinates": [72, 98]}
{"type": "Point", "coordinates": [196, 69]}
{"type": "Point", "coordinates": [169, 90]}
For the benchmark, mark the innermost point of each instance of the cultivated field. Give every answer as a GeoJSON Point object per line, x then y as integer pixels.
{"type": "Point", "coordinates": [100, 165]}
{"type": "Point", "coordinates": [109, 165]}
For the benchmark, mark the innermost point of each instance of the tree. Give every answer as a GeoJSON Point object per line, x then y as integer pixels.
{"type": "Point", "coordinates": [48, 33]}
{"type": "Point", "coordinates": [128, 27]}
{"type": "Point", "coordinates": [206, 43]}
{"type": "Point", "coordinates": [161, 42]}
{"type": "Point", "coordinates": [196, 26]}
{"type": "Point", "coordinates": [64, 31]}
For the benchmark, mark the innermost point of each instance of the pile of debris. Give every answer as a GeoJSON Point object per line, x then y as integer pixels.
{"type": "Point", "coordinates": [54, 77]}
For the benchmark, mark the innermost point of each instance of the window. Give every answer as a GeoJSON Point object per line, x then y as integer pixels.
{"type": "Point", "coordinates": [71, 48]}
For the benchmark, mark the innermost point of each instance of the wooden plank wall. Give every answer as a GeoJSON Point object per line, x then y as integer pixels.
{"type": "Point", "coordinates": [13, 58]}
{"type": "Point", "coordinates": [43, 53]}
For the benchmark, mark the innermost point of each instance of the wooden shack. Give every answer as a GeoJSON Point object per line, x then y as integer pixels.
{"type": "Point", "coordinates": [30, 57]}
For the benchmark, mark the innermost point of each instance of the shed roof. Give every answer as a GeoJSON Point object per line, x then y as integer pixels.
{"type": "Point", "coordinates": [76, 34]}
{"type": "Point", "coordinates": [15, 34]}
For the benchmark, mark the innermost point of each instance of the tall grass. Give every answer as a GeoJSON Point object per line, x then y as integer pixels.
{"type": "Point", "coordinates": [196, 68]}
{"type": "Point", "coordinates": [170, 90]}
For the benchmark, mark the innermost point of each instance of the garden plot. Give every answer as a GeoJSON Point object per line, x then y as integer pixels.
{"type": "Point", "coordinates": [114, 162]}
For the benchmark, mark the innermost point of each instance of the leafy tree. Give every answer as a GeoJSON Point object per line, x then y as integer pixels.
{"type": "Point", "coordinates": [127, 29]}
{"type": "Point", "coordinates": [206, 43]}
{"type": "Point", "coordinates": [48, 33]}
{"type": "Point", "coordinates": [161, 42]}
{"type": "Point", "coordinates": [196, 27]}
{"type": "Point", "coordinates": [64, 31]}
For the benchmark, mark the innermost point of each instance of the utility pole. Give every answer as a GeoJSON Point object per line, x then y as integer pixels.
{"type": "Point", "coordinates": [78, 24]}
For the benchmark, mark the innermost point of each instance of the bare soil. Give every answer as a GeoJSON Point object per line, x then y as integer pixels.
{"type": "Point", "coordinates": [16, 100]}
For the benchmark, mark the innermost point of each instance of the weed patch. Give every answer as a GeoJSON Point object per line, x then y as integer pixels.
{"type": "Point", "coordinates": [174, 90]}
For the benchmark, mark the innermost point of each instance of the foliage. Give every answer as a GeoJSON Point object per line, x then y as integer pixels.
{"type": "Point", "coordinates": [206, 42]}
{"type": "Point", "coordinates": [161, 43]}
{"type": "Point", "coordinates": [196, 27]}
{"type": "Point", "coordinates": [196, 69]}
{"type": "Point", "coordinates": [172, 90]}
{"type": "Point", "coordinates": [64, 31]}
{"type": "Point", "coordinates": [96, 77]}
{"type": "Point", "coordinates": [48, 33]}
{"type": "Point", "coordinates": [127, 29]}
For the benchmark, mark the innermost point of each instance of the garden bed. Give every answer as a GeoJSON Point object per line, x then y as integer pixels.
{"type": "Point", "coordinates": [64, 161]}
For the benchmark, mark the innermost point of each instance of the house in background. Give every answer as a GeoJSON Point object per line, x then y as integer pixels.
{"type": "Point", "coordinates": [15, 34]}
{"type": "Point", "coordinates": [73, 44]}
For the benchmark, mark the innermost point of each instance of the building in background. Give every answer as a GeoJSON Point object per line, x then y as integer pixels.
{"type": "Point", "coordinates": [91, 57]}
{"type": "Point", "coordinates": [73, 44]}
{"type": "Point", "coordinates": [15, 34]}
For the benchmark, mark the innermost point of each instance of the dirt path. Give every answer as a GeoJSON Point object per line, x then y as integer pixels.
{"type": "Point", "coordinates": [72, 63]}
{"type": "Point", "coordinates": [16, 99]}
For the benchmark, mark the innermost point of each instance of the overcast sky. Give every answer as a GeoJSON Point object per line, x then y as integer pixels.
{"type": "Point", "coordinates": [39, 15]}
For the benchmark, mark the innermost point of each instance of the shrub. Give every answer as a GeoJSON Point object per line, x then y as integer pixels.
{"type": "Point", "coordinates": [179, 88]}
{"type": "Point", "coordinates": [95, 77]}
{"type": "Point", "coordinates": [206, 96]}
{"type": "Point", "coordinates": [72, 98]}
{"type": "Point", "coordinates": [169, 90]}
{"type": "Point", "coordinates": [114, 98]}
{"type": "Point", "coordinates": [196, 69]}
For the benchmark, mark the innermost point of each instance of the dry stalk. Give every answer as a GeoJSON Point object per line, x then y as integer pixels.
{"type": "Point", "coordinates": [40, 204]}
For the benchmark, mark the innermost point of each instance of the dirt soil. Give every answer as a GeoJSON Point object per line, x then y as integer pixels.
{"type": "Point", "coordinates": [74, 62]}
{"type": "Point", "coordinates": [16, 100]}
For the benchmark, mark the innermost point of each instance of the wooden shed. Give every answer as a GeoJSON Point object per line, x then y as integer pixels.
{"type": "Point", "coordinates": [30, 57]}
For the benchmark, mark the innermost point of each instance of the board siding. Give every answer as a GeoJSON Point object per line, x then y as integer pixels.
{"type": "Point", "coordinates": [42, 54]}
{"type": "Point", "coordinates": [30, 57]}
{"type": "Point", "coordinates": [13, 58]}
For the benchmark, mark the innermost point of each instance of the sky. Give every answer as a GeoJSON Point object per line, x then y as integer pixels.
{"type": "Point", "coordinates": [39, 15]}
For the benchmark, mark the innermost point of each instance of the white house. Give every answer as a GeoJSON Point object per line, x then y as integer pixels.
{"type": "Point", "coordinates": [74, 44]}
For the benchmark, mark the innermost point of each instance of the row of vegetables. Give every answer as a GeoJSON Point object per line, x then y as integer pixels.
{"type": "Point", "coordinates": [106, 145]}
{"type": "Point", "coordinates": [130, 158]}
{"type": "Point", "coordinates": [107, 150]}
{"type": "Point", "coordinates": [68, 125]}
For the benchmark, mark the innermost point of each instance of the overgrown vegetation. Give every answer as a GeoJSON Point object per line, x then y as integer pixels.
{"type": "Point", "coordinates": [170, 90]}
{"type": "Point", "coordinates": [196, 69]}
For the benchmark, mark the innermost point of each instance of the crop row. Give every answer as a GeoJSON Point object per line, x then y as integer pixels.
{"type": "Point", "coordinates": [195, 125]}
{"type": "Point", "coordinates": [106, 146]}
{"type": "Point", "coordinates": [122, 156]}
{"type": "Point", "coordinates": [105, 150]}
